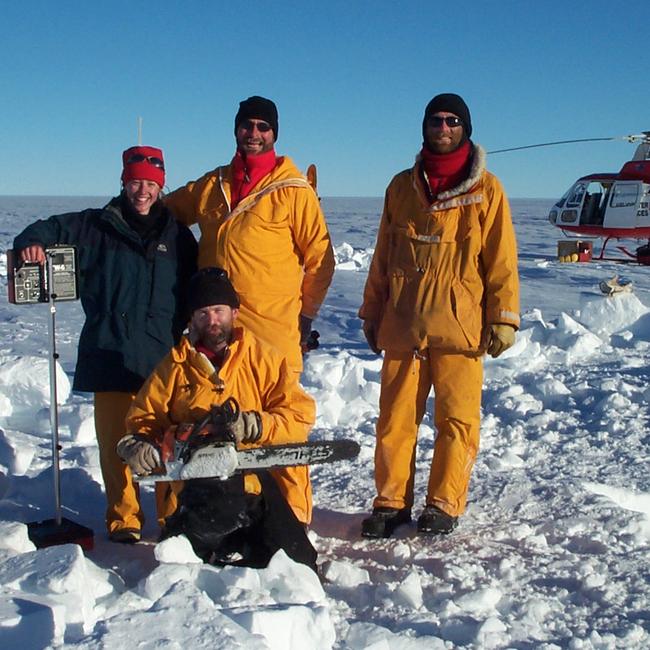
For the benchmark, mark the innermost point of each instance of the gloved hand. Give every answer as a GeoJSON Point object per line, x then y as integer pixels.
{"type": "Point", "coordinates": [370, 328]}
{"type": "Point", "coordinates": [247, 427]}
{"type": "Point", "coordinates": [139, 454]}
{"type": "Point", "coordinates": [305, 328]}
{"type": "Point", "coordinates": [499, 338]}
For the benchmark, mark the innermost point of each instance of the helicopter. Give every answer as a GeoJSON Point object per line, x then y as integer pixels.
{"type": "Point", "coordinates": [611, 205]}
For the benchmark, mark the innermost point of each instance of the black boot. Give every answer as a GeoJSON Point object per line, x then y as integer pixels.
{"type": "Point", "coordinates": [434, 521]}
{"type": "Point", "coordinates": [383, 521]}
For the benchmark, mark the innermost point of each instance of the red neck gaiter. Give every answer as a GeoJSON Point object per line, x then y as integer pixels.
{"type": "Point", "coordinates": [446, 170]}
{"type": "Point", "coordinates": [215, 358]}
{"type": "Point", "coordinates": [247, 172]}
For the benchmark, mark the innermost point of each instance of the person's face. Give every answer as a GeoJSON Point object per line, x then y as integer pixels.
{"type": "Point", "coordinates": [142, 195]}
{"type": "Point", "coordinates": [254, 137]}
{"type": "Point", "coordinates": [213, 325]}
{"type": "Point", "coordinates": [439, 137]}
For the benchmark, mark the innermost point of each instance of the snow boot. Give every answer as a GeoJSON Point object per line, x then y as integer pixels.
{"type": "Point", "coordinates": [434, 521]}
{"type": "Point", "coordinates": [125, 535]}
{"type": "Point", "coordinates": [383, 521]}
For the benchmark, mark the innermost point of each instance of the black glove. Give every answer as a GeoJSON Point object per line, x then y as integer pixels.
{"type": "Point", "coordinates": [370, 328]}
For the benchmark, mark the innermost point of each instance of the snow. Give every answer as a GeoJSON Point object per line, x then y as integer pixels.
{"type": "Point", "coordinates": [551, 553]}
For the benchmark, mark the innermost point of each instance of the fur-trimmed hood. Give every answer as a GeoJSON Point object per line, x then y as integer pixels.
{"type": "Point", "coordinates": [476, 171]}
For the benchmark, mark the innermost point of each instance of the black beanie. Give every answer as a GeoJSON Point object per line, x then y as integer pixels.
{"type": "Point", "coordinates": [448, 103]}
{"type": "Point", "coordinates": [211, 286]}
{"type": "Point", "coordinates": [258, 108]}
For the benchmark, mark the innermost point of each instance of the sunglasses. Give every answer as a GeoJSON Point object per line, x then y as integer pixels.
{"type": "Point", "coordinates": [262, 127]}
{"type": "Point", "coordinates": [152, 160]}
{"type": "Point", "coordinates": [451, 121]}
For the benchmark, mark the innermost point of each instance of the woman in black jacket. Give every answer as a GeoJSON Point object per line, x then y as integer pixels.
{"type": "Point", "coordinates": [134, 261]}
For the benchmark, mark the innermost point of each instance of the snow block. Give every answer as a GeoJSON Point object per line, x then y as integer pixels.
{"type": "Point", "coordinates": [409, 592]}
{"type": "Point", "coordinates": [58, 574]}
{"type": "Point", "coordinates": [233, 586]}
{"type": "Point", "coordinates": [16, 452]}
{"type": "Point", "coordinates": [296, 627]}
{"type": "Point", "coordinates": [608, 315]}
{"type": "Point", "coordinates": [480, 601]}
{"type": "Point", "coordinates": [345, 574]}
{"type": "Point", "coordinates": [14, 537]}
{"type": "Point", "coordinates": [159, 581]}
{"type": "Point", "coordinates": [290, 582]}
{"type": "Point", "coordinates": [176, 550]}
{"type": "Point", "coordinates": [368, 636]}
{"type": "Point", "coordinates": [25, 382]}
{"type": "Point", "coordinates": [29, 622]}
{"type": "Point", "coordinates": [184, 612]}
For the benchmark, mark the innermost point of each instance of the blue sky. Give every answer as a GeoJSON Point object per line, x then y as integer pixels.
{"type": "Point", "coordinates": [351, 80]}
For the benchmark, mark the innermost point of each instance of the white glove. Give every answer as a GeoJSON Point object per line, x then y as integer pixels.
{"type": "Point", "coordinates": [140, 455]}
{"type": "Point", "coordinates": [247, 427]}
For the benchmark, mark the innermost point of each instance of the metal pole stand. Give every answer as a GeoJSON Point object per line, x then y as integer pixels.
{"type": "Point", "coordinates": [59, 530]}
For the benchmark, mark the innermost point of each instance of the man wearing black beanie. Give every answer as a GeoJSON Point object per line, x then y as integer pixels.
{"type": "Point", "coordinates": [442, 291]}
{"type": "Point", "coordinates": [261, 221]}
{"type": "Point", "coordinates": [219, 360]}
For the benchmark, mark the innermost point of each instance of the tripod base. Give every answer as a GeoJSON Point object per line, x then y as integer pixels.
{"type": "Point", "coordinates": [48, 533]}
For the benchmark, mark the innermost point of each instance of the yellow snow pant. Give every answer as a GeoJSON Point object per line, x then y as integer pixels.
{"type": "Point", "coordinates": [406, 381]}
{"type": "Point", "coordinates": [295, 485]}
{"type": "Point", "coordinates": [122, 494]}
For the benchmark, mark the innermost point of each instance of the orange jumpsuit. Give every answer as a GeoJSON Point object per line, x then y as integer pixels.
{"type": "Point", "coordinates": [441, 273]}
{"type": "Point", "coordinates": [185, 385]}
{"type": "Point", "coordinates": [277, 250]}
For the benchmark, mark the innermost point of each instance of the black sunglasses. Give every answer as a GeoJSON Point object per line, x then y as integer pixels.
{"type": "Point", "coordinates": [451, 121]}
{"type": "Point", "coordinates": [152, 160]}
{"type": "Point", "coordinates": [262, 127]}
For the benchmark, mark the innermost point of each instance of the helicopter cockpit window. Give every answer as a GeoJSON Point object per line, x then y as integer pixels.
{"type": "Point", "coordinates": [576, 194]}
{"type": "Point", "coordinates": [625, 195]}
{"type": "Point", "coordinates": [560, 202]}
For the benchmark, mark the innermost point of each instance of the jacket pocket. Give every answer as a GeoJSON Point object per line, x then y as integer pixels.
{"type": "Point", "coordinates": [402, 292]}
{"type": "Point", "coordinates": [467, 312]}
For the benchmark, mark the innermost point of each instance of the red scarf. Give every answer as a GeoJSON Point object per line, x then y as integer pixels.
{"type": "Point", "coordinates": [215, 358]}
{"type": "Point", "coordinates": [446, 170]}
{"type": "Point", "coordinates": [247, 172]}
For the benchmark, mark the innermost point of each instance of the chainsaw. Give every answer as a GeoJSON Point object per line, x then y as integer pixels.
{"type": "Point", "coordinates": [207, 449]}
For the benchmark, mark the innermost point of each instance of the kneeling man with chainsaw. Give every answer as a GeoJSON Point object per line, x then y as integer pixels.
{"type": "Point", "coordinates": [221, 390]}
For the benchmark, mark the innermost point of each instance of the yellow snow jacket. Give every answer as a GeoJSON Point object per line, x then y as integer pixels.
{"type": "Point", "coordinates": [274, 244]}
{"type": "Point", "coordinates": [185, 385]}
{"type": "Point", "coordinates": [443, 271]}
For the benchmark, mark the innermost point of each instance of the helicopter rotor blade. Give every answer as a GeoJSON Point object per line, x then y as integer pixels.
{"type": "Point", "coordinates": [645, 136]}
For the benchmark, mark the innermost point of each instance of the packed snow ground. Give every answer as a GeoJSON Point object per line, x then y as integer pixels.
{"type": "Point", "coordinates": [551, 553]}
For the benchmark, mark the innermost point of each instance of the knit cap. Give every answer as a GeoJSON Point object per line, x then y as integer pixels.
{"type": "Point", "coordinates": [211, 286]}
{"type": "Point", "coordinates": [258, 108]}
{"type": "Point", "coordinates": [143, 164]}
{"type": "Point", "coordinates": [448, 103]}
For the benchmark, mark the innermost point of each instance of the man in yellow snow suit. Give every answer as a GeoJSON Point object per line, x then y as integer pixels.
{"type": "Point", "coordinates": [217, 360]}
{"type": "Point", "coordinates": [442, 290]}
{"type": "Point", "coordinates": [261, 221]}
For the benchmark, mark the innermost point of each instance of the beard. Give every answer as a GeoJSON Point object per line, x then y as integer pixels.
{"type": "Point", "coordinates": [215, 336]}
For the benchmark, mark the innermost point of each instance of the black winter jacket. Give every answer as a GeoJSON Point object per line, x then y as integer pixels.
{"type": "Point", "coordinates": [132, 293]}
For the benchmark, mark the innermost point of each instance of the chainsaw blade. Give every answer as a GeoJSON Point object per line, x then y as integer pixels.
{"type": "Point", "coordinates": [222, 460]}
